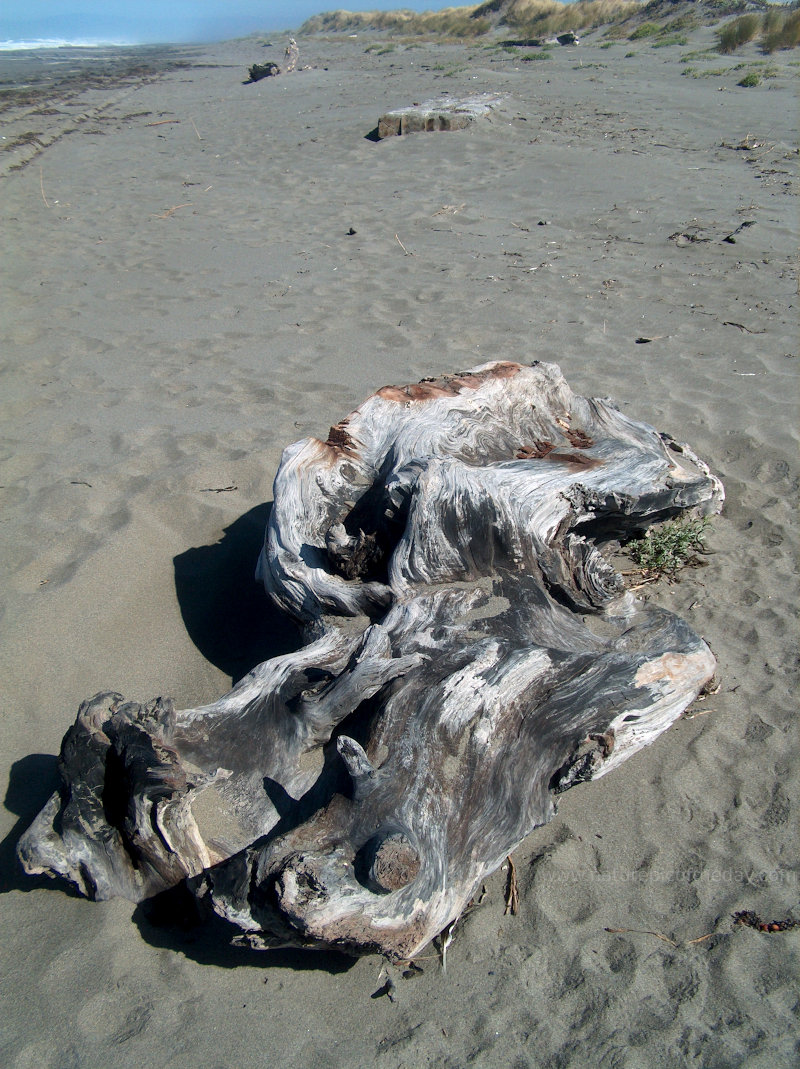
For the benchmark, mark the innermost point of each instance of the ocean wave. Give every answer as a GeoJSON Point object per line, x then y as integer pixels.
{"type": "Point", "coordinates": [39, 43]}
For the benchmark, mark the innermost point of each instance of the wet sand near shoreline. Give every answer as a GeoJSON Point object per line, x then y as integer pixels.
{"type": "Point", "coordinates": [48, 93]}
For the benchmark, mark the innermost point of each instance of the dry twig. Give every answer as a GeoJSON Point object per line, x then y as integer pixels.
{"type": "Point", "coordinates": [644, 582]}
{"type": "Point", "coordinates": [512, 889]}
{"type": "Point", "coordinates": [742, 327]}
{"type": "Point", "coordinates": [166, 214]}
{"type": "Point", "coordinates": [402, 246]}
{"type": "Point", "coordinates": [700, 712]}
{"type": "Point", "coordinates": [702, 939]}
{"type": "Point", "coordinates": [642, 931]}
{"type": "Point", "coordinates": [446, 938]}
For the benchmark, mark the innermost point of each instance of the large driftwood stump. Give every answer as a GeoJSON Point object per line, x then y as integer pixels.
{"type": "Point", "coordinates": [471, 654]}
{"type": "Point", "coordinates": [443, 113]}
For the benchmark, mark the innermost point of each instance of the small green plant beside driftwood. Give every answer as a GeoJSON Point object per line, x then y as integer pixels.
{"type": "Point", "coordinates": [664, 550]}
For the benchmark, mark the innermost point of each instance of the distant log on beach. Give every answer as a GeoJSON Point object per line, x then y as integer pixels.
{"type": "Point", "coordinates": [272, 70]}
{"type": "Point", "coordinates": [471, 654]}
{"type": "Point", "coordinates": [444, 113]}
{"type": "Point", "coordinates": [263, 70]}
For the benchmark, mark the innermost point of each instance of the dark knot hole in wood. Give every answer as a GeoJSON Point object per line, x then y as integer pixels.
{"type": "Point", "coordinates": [387, 862]}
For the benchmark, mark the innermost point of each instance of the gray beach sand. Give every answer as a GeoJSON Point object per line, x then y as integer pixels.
{"type": "Point", "coordinates": [183, 297]}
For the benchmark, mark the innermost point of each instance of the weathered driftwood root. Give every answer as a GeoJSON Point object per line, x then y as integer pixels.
{"type": "Point", "coordinates": [471, 654]}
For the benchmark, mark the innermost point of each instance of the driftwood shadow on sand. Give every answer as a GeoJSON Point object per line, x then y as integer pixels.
{"type": "Point", "coordinates": [227, 615]}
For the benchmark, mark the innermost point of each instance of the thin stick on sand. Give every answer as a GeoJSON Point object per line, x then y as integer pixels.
{"type": "Point", "coordinates": [199, 138]}
{"type": "Point", "coordinates": [512, 889]}
{"type": "Point", "coordinates": [446, 938]}
{"type": "Point", "coordinates": [642, 931]}
{"type": "Point", "coordinates": [170, 211]}
{"type": "Point", "coordinates": [663, 938]}
{"type": "Point", "coordinates": [402, 246]}
{"type": "Point", "coordinates": [41, 186]}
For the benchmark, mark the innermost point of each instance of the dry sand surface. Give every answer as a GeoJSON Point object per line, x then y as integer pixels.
{"type": "Point", "coordinates": [182, 300]}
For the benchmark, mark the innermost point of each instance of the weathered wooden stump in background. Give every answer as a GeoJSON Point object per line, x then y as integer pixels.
{"type": "Point", "coordinates": [444, 113]}
{"type": "Point", "coordinates": [471, 654]}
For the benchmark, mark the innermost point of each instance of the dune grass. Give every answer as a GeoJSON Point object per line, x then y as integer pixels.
{"type": "Point", "coordinates": [527, 17]}
{"type": "Point", "coordinates": [644, 29]}
{"type": "Point", "coordinates": [450, 22]}
{"type": "Point", "coordinates": [541, 18]}
{"type": "Point", "coordinates": [781, 29]}
{"type": "Point", "coordinates": [776, 27]}
{"type": "Point", "coordinates": [738, 32]}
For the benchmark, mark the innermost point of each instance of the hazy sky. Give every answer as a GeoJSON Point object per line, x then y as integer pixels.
{"type": "Point", "coordinates": [143, 21]}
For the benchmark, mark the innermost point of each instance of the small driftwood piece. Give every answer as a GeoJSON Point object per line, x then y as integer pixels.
{"type": "Point", "coordinates": [263, 70]}
{"type": "Point", "coordinates": [471, 654]}
{"type": "Point", "coordinates": [444, 113]}
{"type": "Point", "coordinates": [290, 56]}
